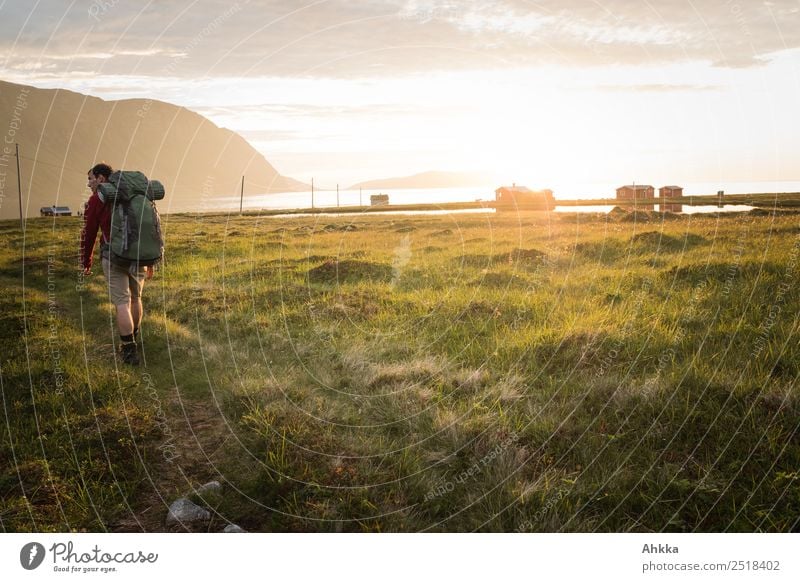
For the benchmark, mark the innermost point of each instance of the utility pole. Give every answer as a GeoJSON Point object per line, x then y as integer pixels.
{"type": "Point", "coordinates": [359, 198]}
{"type": "Point", "coordinates": [241, 197]}
{"type": "Point", "coordinates": [337, 195]}
{"type": "Point", "coordinates": [19, 190]}
{"type": "Point", "coordinates": [312, 193]}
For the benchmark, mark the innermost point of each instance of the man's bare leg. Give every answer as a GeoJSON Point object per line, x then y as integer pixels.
{"type": "Point", "coordinates": [124, 319]}
{"type": "Point", "coordinates": [125, 326]}
{"type": "Point", "coordinates": [136, 312]}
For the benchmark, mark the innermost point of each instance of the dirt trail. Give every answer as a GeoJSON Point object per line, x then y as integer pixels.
{"type": "Point", "coordinates": [189, 456]}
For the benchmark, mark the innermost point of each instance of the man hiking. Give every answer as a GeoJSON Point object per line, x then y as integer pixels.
{"type": "Point", "coordinates": [124, 283]}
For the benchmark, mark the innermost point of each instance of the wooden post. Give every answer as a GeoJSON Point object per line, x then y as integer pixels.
{"type": "Point", "coordinates": [19, 190]}
{"type": "Point", "coordinates": [241, 197]}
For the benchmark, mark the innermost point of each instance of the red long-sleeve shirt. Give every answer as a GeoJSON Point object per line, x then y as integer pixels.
{"type": "Point", "coordinates": [97, 216]}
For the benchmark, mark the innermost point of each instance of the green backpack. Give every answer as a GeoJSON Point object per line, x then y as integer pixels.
{"type": "Point", "coordinates": [135, 225]}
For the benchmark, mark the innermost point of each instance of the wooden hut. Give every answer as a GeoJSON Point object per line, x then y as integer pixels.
{"type": "Point", "coordinates": [637, 192]}
{"type": "Point", "coordinates": [670, 192]}
{"type": "Point", "coordinates": [521, 197]}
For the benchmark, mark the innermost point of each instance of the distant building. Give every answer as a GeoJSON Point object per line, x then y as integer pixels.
{"type": "Point", "coordinates": [55, 211]}
{"type": "Point", "coordinates": [637, 192]}
{"type": "Point", "coordinates": [670, 192]}
{"type": "Point", "coordinates": [520, 196]}
{"type": "Point", "coordinates": [379, 200]}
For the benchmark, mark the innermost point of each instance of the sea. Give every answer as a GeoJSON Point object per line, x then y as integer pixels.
{"type": "Point", "coordinates": [331, 199]}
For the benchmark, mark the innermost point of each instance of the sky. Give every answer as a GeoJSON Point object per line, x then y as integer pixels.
{"type": "Point", "coordinates": [533, 92]}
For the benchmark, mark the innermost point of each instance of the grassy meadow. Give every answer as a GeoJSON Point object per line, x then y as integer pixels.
{"type": "Point", "coordinates": [517, 372]}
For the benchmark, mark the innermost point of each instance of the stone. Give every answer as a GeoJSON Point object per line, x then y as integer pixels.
{"type": "Point", "coordinates": [212, 487]}
{"type": "Point", "coordinates": [233, 528]}
{"type": "Point", "coordinates": [183, 511]}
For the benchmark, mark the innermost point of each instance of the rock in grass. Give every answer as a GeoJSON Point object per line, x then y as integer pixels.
{"type": "Point", "coordinates": [210, 488]}
{"type": "Point", "coordinates": [233, 528]}
{"type": "Point", "coordinates": [183, 511]}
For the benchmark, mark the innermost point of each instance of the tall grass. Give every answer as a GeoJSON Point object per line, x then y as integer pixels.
{"type": "Point", "coordinates": [498, 372]}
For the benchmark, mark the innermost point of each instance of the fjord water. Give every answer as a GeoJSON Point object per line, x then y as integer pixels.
{"type": "Point", "coordinates": [328, 198]}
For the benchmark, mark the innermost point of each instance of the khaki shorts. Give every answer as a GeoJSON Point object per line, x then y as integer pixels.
{"type": "Point", "coordinates": [123, 283]}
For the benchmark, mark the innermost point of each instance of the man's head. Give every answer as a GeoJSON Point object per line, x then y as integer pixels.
{"type": "Point", "coordinates": [97, 175]}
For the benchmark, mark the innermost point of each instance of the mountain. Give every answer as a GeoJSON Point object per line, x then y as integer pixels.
{"type": "Point", "coordinates": [61, 134]}
{"type": "Point", "coordinates": [427, 180]}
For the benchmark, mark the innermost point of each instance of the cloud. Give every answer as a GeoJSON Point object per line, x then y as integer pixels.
{"type": "Point", "coordinates": [298, 110]}
{"type": "Point", "coordinates": [266, 135]}
{"type": "Point", "coordinates": [347, 39]}
{"type": "Point", "coordinates": [658, 88]}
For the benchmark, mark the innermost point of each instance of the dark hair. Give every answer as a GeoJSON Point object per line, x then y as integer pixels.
{"type": "Point", "coordinates": [101, 169]}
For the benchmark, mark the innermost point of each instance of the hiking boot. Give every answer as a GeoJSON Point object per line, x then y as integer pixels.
{"type": "Point", "coordinates": [129, 354]}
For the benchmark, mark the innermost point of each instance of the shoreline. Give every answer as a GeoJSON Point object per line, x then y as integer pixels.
{"type": "Point", "coordinates": [763, 200]}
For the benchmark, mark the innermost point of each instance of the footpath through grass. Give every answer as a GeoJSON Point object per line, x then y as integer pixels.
{"type": "Point", "coordinates": [492, 372]}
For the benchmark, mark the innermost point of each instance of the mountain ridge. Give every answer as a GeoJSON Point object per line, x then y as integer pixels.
{"type": "Point", "coordinates": [63, 133]}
